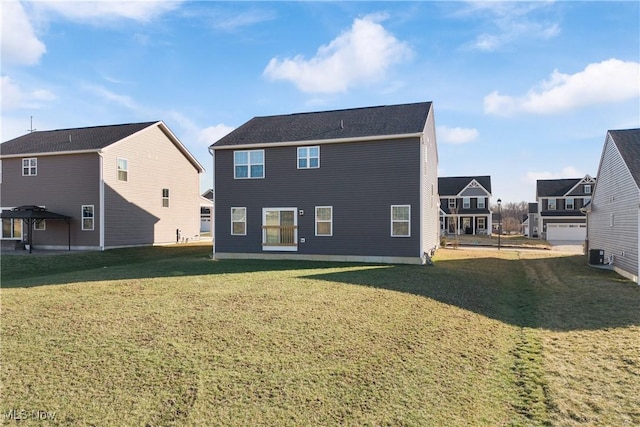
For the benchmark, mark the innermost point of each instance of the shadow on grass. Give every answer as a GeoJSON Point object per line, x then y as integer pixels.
{"type": "Point", "coordinates": [561, 294]}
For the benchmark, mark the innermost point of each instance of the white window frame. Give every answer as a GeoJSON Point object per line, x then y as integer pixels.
{"type": "Point", "coordinates": [12, 223]}
{"type": "Point", "coordinates": [400, 221]}
{"type": "Point", "coordinates": [452, 203]}
{"type": "Point", "coordinates": [484, 222]}
{"type": "Point", "coordinates": [481, 203]}
{"type": "Point", "coordinates": [92, 217]}
{"type": "Point", "coordinates": [466, 203]}
{"type": "Point", "coordinates": [569, 201]}
{"type": "Point", "coordinates": [242, 221]}
{"type": "Point", "coordinates": [324, 221]}
{"type": "Point", "coordinates": [587, 189]}
{"type": "Point", "coordinates": [122, 169]}
{"type": "Point", "coordinates": [284, 248]}
{"type": "Point", "coordinates": [308, 157]}
{"type": "Point", "coordinates": [248, 165]}
{"type": "Point", "coordinates": [555, 204]}
{"type": "Point", "coordinates": [165, 198]}
{"type": "Point", "coordinates": [30, 166]}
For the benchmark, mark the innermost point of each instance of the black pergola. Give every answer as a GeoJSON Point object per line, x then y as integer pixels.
{"type": "Point", "coordinates": [31, 215]}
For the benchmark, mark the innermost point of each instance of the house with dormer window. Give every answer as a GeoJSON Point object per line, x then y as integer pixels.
{"type": "Point", "coordinates": [464, 204]}
{"type": "Point", "coordinates": [559, 203]}
{"type": "Point", "coordinates": [350, 185]}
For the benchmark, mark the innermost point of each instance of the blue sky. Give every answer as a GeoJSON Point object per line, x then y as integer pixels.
{"type": "Point", "coordinates": [521, 90]}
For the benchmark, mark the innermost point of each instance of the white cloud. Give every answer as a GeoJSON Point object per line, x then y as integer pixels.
{"type": "Point", "coordinates": [232, 22]}
{"type": "Point", "coordinates": [122, 100]}
{"type": "Point", "coordinates": [512, 21]}
{"type": "Point", "coordinates": [456, 135]}
{"type": "Point", "coordinates": [14, 97]}
{"type": "Point", "coordinates": [106, 10]}
{"type": "Point", "coordinates": [566, 172]}
{"type": "Point", "coordinates": [608, 81]}
{"type": "Point", "coordinates": [212, 134]}
{"type": "Point", "coordinates": [19, 43]}
{"type": "Point", "coordinates": [361, 54]}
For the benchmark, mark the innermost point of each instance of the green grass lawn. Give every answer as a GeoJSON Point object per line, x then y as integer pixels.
{"type": "Point", "coordinates": [166, 336]}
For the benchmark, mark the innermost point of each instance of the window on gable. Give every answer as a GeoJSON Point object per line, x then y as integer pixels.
{"type": "Point", "coordinates": [165, 197]}
{"type": "Point", "coordinates": [123, 170]}
{"type": "Point", "coordinates": [481, 203]}
{"type": "Point", "coordinates": [308, 157]}
{"type": "Point", "coordinates": [30, 166]}
{"type": "Point", "coordinates": [452, 203]}
{"type": "Point", "coordinates": [238, 221]}
{"type": "Point", "coordinates": [87, 217]}
{"type": "Point", "coordinates": [569, 204]}
{"type": "Point", "coordinates": [587, 189]}
{"type": "Point", "coordinates": [552, 204]}
{"type": "Point", "coordinates": [248, 164]}
{"type": "Point", "coordinates": [400, 220]}
{"type": "Point", "coordinates": [324, 220]}
{"type": "Point", "coordinates": [466, 202]}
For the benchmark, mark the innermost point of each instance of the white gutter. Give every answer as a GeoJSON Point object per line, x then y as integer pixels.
{"type": "Point", "coordinates": [51, 153]}
{"type": "Point", "coordinates": [101, 197]}
{"type": "Point", "coordinates": [213, 208]}
{"type": "Point", "coordinates": [319, 141]}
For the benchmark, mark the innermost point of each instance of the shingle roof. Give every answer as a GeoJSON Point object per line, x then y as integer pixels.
{"type": "Point", "coordinates": [555, 187]}
{"type": "Point", "coordinates": [628, 143]}
{"type": "Point", "coordinates": [452, 185]}
{"type": "Point", "coordinates": [325, 125]}
{"type": "Point", "coordinates": [76, 139]}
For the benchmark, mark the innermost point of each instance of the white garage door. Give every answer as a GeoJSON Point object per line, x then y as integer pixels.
{"type": "Point", "coordinates": [577, 232]}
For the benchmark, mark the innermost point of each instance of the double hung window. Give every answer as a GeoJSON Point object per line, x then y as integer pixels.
{"type": "Point", "coordinates": [30, 166]}
{"type": "Point", "coordinates": [238, 221]}
{"type": "Point", "coordinates": [308, 157]}
{"type": "Point", "coordinates": [324, 220]}
{"type": "Point", "coordinates": [248, 164]}
{"type": "Point", "coordinates": [400, 220]}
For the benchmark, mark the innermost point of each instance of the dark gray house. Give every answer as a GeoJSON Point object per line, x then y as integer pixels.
{"type": "Point", "coordinates": [464, 204]}
{"type": "Point", "coordinates": [350, 185]}
{"type": "Point", "coordinates": [560, 203]}
{"type": "Point", "coordinates": [614, 214]}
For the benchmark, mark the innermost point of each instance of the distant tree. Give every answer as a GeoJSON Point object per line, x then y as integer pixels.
{"type": "Point", "coordinates": [512, 215]}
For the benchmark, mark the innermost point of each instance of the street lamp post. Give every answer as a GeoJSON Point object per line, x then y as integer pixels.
{"type": "Point", "coordinates": [500, 221]}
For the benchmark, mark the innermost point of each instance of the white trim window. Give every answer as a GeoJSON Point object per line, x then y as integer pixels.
{"type": "Point", "coordinates": [165, 197]}
{"type": "Point", "coordinates": [482, 223]}
{"type": "Point", "coordinates": [569, 204]}
{"type": "Point", "coordinates": [324, 220]}
{"type": "Point", "coordinates": [466, 202]}
{"type": "Point", "coordinates": [123, 169]}
{"type": "Point", "coordinates": [279, 229]}
{"type": "Point", "coordinates": [239, 221]}
{"type": "Point", "coordinates": [551, 204]}
{"type": "Point", "coordinates": [481, 204]}
{"type": "Point", "coordinates": [309, 157]}
{"type": "Point", "coordinates": [30, 166]}
{"type": "Point", "coordinates": [248, 164]}
{"type": "Point", "coordinates": [452, 203]}
{"type": "Point", "coordinates": [11, 228]}
{"type": "Point", "coordinates": [87, 218]}
{"type": "Point", "coordinates": [400, 220]}
{"type": "Point", "coordinates": [587, 189]}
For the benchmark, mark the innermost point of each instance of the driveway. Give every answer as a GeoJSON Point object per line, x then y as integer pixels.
{"type": "Point", "coordinates": [569, 246]}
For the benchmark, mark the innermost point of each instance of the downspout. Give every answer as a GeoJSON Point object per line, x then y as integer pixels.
{"type": "Point", "coordinates": [101, 195]}
{"type": "Point", "coordinates": [213, 208]}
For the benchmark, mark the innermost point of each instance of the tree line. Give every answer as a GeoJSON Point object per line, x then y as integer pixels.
{"type": "Point", "coordinates": [513, 214]}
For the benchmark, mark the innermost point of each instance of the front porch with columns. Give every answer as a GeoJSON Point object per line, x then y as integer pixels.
{"type": "Point", "coordinates": [466, 224]}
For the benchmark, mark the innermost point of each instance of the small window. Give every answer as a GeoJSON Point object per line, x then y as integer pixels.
{"type": "Point", "coordinates": [30, 166]}
{"type": "Point", "coordinates": [238, 221]}
{"type": "Point", "coordinates": [452, 203]}
{"type": "Point", "coordinates": [466, 202]}
{"type": "Point", "coordinates": [123, 170]}
{"type": "Point", "coordinates": [613, 220]}
{"type": "Point", "coordinates": [324, 220]}
{"type": "Point", "coordinates": [87, 217]}
{"type": "Point", "coordinates": [482, 225]}
{"type": "Point", "coordinates": [308, 157]}
{"type": "Point", "coordinates": [481, 204]}
{"type": "Point", "coordinates": [587, 189]}
{"type": "Point", "coordinates": [400, 221]}
{"type": "Point", "coordinates": [552, 204]}
{"type": "Point", "coordinates": [569, 204]}
{"type": "Point", "coordinates": [40, 225]}
{"type": "Point", "coordinates": [165, 197]}
{"type": "Point", "coordinates": [248, 164]}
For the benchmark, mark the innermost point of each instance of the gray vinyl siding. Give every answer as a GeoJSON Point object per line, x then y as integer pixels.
{"type": "Point", "coordinates": [616, 193]}
{"type": "Point", "coordinates": [60, 192]}
{"type": "Point", "coordinates": [360, 180]}
{"type": "Point", "coordinates": [134, 214]}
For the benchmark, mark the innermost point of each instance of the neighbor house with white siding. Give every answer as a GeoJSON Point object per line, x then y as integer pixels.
{"type": "Point", "coordinates": [350, 185]}
{"type": "Point", "coordinates": [118, 185]}
{"type": "Point", "coordinates": [614, 214]}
